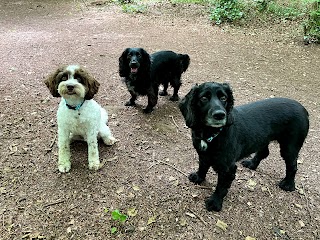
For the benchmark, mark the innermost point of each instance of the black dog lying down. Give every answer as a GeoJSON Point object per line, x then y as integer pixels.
{"type": "Point", "coordinates": [143, 73]}
{"type": "Point", "coordinates": [223, 135]}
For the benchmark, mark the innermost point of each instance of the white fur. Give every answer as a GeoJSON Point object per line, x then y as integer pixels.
{"type": "Point", "coordinates": [89, 123]}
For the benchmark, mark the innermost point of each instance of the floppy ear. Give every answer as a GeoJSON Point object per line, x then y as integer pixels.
{"type": "Point", "coordinates": [52, 82]}
{"type": "Point", "coordinates": [146, 62]}
{"type": "Point", "coordinates": [124, 69]}
{"type": "Point", "coordinates": [187, 107]}
{"type": "Point", "coordinates": [230, 102]}
{"type": "Point", "coordinates": [91, 84]}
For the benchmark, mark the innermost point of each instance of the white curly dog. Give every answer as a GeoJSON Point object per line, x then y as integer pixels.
{"type": "Point", "coordinates": [78, 116]}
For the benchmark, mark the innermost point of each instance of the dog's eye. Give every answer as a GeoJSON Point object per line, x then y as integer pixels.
{"type": "Point", "coordinates": [223, 98]}
{"type": "Point", "coordinates": [203, 99]}
{"type": "Point", "coordinates": [79, 79]}
{"type": "Point", "coordinates": [64, 78]}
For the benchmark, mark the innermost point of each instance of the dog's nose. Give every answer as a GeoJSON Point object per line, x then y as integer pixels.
{"type": "Point", "coordinates": [219, 115]}
{"type": "Point", "coordinates": [70, 87]}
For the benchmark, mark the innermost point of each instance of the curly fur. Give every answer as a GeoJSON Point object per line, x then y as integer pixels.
{"type": "Point", "coordinates": [78, 116]}
{"type": "Point", "coordinates": [223, 135]}
{"type": "Point", "coordinates": [143, 73]}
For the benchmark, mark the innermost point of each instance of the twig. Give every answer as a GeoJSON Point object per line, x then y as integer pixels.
{"type": "Point", "coordinates": [54, 203]}
{"type": "Point", "coordinates": [168, 164]}
{"type": "Point", "coordinates": [51, 144]}
{"type": "Point", "coordinates": [307, 202]}
{"type": "Point", "coordinates": [203, 187]}
{"type": "Point", "coordinates": [174, 122]}
{"type": "Point", "coordinates": [199, 217]}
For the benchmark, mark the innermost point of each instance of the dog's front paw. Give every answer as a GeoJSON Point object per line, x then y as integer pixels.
{"type": "Point", "coordinates": [287, 185]}
{"type": "Point", "coordinates": [148, 110]}
{"type": "Point", "coordinates": [64, 166]}
{"type": "Point", "coordinates": [249, 164]}
{"type": "Point", "coordinates": [194, 177]}
{"type": "Point", "coordinates": [94, 165]}
{"type": "Point", "coordinates": [110, 141]}
{"type": "Point", "coordinates": [163, 93]}
{"type": "Point", "coordinates": [214, 204]}
{"type": "Point", "coordinates": [130, 103]}
{"type": "Point", "coordinates": [174, 98]}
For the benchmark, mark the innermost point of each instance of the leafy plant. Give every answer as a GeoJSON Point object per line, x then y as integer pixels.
{"type": "Point", "coordinates": [119, 217]}
{"type": "Point", "coordinates": [226, 11]}
{"type": "Point", "coordinates": [312, 24]}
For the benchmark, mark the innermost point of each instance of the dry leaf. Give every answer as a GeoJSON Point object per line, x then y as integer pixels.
{"type": "Point", "coordinates": [132, 212]}
{"type": "Point", "coordinates": [152, 220]}
{"type": "Point", "coordinates": [183, 222]}
{"type": "Point", "coordinates": [135, 188]}
{"type": "Point", "coordinates": [298, 205]}
{"type": "Point", "coordinates": [250, 238]}
{"type": "Point", "coordinates": [221, 225]}
{"type": "Point", "coordinates": [301, 223]}
{"type": "Point", "coordinates": [120, 190]}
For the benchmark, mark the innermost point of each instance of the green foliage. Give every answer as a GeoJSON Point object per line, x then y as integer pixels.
{"type": "Point", "coordinates": [118, 216]}
{"type": "Point", "coordinates": [226, 11]}
{"type": "Point", "coordinates": [312, 24]}
{"type": "Point", "coordinates": [132, 6]}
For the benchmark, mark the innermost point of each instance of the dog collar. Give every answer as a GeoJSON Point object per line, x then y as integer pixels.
{"type": "Point", "coordinates": [213, 136]}
{"type": "Point", "coordinates": [77, 107]}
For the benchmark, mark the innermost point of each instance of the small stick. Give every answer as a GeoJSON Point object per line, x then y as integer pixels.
{"type": "Point", "coordinates": [307, 202]}
{"type": "Point", "coordinates": [203, 187]}
{"type": "Point", "coordinates": [199, 217]}
{"type": "Point", "coordinates": [168, 164]}
{"type": "Point", "coordinates": [53, 141]}
{"type": "Point", "coordinates": [174, 122]}
{"type": "Point", "coordinates": [54, 203]}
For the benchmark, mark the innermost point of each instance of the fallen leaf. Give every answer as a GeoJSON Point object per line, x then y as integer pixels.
{"type": "Point", "coordinates": [152, 220]}
{"type": "Point", "coordinates": [171, 179]}
{"type": "Point", "coordinates": [298, 205]}
{"type": "Point", "coordinates": [183, 222]}
{"type": "Point", "coordinates": [301, 223]}
{"type": "Point", "coordinates": [132, 212]}
{"type": "Point", "coordinates": [250, 238]}
{"type": "Point", "coordinates": [120, 190]}
{"type": "Point", "coordinates": [221, 225]}
{"type": "Point", "coordinates": [135, 188]}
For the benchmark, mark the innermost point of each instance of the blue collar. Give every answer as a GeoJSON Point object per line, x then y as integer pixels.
{"type": "Point", "coordinates": [209, 140]}
{"type": "Point", "coordinates": [77, 107]}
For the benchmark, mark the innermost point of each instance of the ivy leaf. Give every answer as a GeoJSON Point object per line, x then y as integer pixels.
{"type": "Point", "coordinates": [114, 230]}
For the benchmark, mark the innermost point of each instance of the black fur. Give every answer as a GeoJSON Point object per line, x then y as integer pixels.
{"type": "Point", "coordinates": [223, 135]}
{"type": "Point", "coordinates": [143, 73]}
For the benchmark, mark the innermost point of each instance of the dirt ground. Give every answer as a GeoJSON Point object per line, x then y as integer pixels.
{"type": "Point", "coordinates": [146, 172]}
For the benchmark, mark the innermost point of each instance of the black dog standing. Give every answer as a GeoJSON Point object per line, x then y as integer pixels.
{"type": "Point", "coordinates": [143, 73]}
{"type": "Point", "coordinates": [223, 135]}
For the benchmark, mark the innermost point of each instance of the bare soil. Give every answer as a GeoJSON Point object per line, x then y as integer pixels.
{"type": "Point", "coordinates": [147, 169]}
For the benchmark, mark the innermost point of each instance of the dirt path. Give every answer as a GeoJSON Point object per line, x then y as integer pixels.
{"type": "Point", "coordinates": [146, 170]}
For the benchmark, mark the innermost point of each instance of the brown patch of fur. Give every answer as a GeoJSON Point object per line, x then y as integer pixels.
{"type": "Point", "coordinates": [92, 85]}
{"type": "Point", "coordinates": [52, 82]}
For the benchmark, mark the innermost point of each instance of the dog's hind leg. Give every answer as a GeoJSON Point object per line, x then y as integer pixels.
{"type": "Point", "coordinates": [289, 153]}
{"type": "Point", "coordinates": [255, 161]}
{"type": "Point", "coordinates": [214, 203]}
{"type": "Point", "coordinates": [176, 86]}
{"type": "Point", "coordinates": [165, 88]}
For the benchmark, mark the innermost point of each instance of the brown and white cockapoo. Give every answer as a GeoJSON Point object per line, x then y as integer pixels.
{"type": "Point", "coordinates": [78, 114]}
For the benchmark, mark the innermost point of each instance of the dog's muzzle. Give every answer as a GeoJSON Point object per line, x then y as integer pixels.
{"type": "Point", "coordinates": [216, 118]}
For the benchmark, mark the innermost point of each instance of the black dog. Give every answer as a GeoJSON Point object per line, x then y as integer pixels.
{"type": "Point", "coordinates": [143, 73]}
{"type": "Point", "coordinates": [223, 135]}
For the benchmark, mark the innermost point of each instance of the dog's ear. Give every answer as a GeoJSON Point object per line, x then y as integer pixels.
{"type": "Point", "coordinates": [230, 102]}
{"type": "Point", "coordinates": [146, 61]}
{"type": "Point", "coordinates": [52, 82]}
{"type": "Point", "coordinates": [187, 107]}
{"type": "Point", "coordinates": [124, 69]}
{"type": "Point", "coordinates": [90, 82]}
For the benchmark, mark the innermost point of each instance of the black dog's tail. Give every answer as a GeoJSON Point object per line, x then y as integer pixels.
{"type": "Point", "coordinates": [185, 61]}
